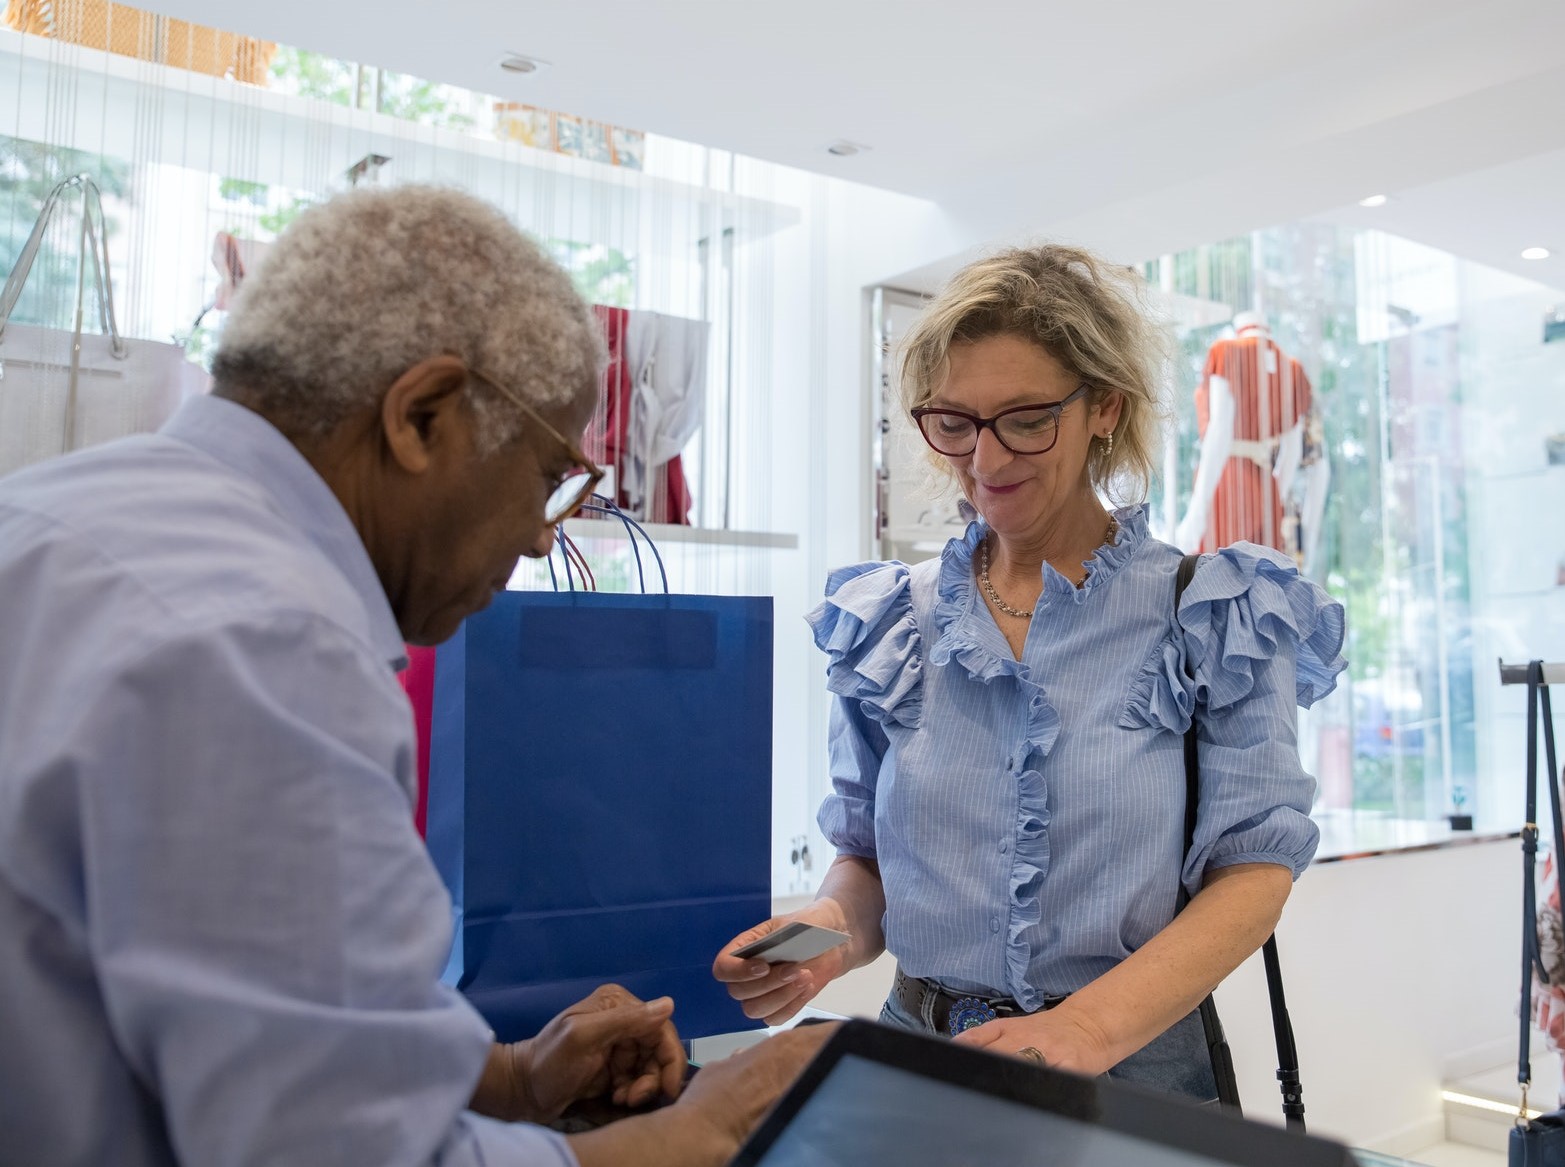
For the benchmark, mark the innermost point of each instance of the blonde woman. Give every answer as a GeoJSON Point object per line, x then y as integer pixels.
{"type": "Point", "coordinates": [1008, 721]}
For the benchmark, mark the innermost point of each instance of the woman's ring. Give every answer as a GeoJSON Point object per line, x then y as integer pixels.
{"type": "Point", "coordinates": [1034, 1054]}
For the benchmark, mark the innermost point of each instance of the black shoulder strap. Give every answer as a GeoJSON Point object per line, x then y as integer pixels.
{"type": "Point", "coordinates": [1282, 1026]}
{"type": "Point", "coordinates": [1187, 567]}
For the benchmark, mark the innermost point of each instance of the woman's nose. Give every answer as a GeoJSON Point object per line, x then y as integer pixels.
{"type": "Point", "coordinates": [989, 454]}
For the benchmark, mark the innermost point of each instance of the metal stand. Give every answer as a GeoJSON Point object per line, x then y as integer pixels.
{"type": "Point", "coordinates": [1517, 674]}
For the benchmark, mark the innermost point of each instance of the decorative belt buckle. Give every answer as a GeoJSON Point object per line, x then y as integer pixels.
{"type": "Point", "coordinates": [969, 1013]}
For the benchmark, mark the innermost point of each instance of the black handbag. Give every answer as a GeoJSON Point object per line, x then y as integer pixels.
{"type": "Point", "coordinates": [1537, 1142]}
{"type": "Point", "coordinates": [1282, 1026]}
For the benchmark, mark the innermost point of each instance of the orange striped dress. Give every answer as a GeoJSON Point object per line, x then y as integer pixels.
{"type": "Point", "coordinates": [1271, 394]}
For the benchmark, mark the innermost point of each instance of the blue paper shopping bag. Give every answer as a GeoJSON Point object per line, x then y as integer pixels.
{"type": "Point", "coordinates": [600, 799]}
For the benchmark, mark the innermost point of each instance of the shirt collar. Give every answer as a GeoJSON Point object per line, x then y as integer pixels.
{"type": "Point", "coordinates": [246, 442]}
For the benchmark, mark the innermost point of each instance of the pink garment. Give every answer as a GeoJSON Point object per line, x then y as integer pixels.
{"type": "Point", "coordinates": [1548, 1001]}
{"type": "Point", "coordinates": [418, 680]}
{"type": "Point", "coordinates": [233, 258]}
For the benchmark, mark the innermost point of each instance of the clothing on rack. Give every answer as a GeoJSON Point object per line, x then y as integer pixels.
{"type": "Point", "coordinates": [1544, 1000]}
{"type": "Point", "coordinates": [652, 400]}
{"type": "Point", "coordinates": [1548, 1000]}
{"type": "Point", "coordinates": [233, 258]}
{"type": "Point", "coordinates": [666, 358]}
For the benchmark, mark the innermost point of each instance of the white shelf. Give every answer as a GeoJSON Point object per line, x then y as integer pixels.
{"type": "Point", "coordinates": [1533, 472]}
{"type": "Point", "coordinates": [606, 528]}
{"type": "Point", "coordinates": [121, 106]}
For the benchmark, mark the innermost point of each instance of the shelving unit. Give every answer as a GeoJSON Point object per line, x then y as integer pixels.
{"type": "Point", "coordinates": [1539, 472]}
{"type": "Point", "coordinates": [100, 102]}
{"type": "Point", "coordinates": [580, 529]}
{"type": "Point", "coordinates": [157, 116]}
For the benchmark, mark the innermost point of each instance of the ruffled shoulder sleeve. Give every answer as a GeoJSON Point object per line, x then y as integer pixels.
{"type": "Point", "coordinates": [1244, 602]}
{"type": "Point", "coordinates": [867, 629]}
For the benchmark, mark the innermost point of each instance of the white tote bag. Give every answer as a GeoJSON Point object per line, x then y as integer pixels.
{"type": "Point", "coordinates": [62, 390]}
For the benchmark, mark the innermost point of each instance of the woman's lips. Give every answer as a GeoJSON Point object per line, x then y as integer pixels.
{"type": "Point", "coordinates": [1006, 489]}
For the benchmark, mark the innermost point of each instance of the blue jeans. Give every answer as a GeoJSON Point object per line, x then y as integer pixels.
{"type": "Point", "coordinates": [1176, 1061]}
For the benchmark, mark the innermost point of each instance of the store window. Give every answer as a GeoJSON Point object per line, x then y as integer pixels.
{"type": "Point", "coordinates": [1426, 394]}
{"type": "Point", "coordinates": [1433, 395]}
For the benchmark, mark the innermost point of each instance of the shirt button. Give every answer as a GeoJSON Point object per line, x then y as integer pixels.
{"type": "Point", "coordinates": [1010, 763]}
{"type": "Point", "coordinates": [994, 923]}
{"type": "Point", "coordinates": [1005, 845]}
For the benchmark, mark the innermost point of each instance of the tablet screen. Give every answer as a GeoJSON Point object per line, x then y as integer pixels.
{"type": "Point", "coordinates": [869, 1112]}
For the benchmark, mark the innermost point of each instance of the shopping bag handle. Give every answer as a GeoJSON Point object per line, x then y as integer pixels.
{"type": "Point", "coordinates": [97, 242]}
{"type": "Point", "coordinates": [98, 248]}
{"type": "Point", "coordinates": [603, 505]}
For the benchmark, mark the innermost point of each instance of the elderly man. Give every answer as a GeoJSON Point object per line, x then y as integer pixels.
{"type": "Point", "coordinates": [220, 936]}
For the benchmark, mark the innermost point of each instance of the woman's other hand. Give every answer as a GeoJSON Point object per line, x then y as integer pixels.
{"type": "Point", "coordinates": [1064, 1041]}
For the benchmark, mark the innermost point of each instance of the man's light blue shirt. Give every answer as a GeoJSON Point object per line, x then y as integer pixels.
{"type": "Point", "coordinates": [220, 935]}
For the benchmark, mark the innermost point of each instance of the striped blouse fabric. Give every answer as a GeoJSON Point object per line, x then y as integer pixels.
{"type": "Point", "coordinates": [1028, 815]}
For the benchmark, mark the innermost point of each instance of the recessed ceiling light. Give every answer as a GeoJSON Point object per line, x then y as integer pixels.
{"type": "Point", "coordinates": [1374, 201]}
{"type": "Point", "coordinates": [521, 63]}
{"type": "Point", "coordinates": [1536, 253]}
{"type": "Point", "coordinates": [847, 149]}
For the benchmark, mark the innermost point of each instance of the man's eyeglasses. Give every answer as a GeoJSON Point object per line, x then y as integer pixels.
{"type": "Point", "coordinates": [1022, 429]}
{"type": "Point", "coordinates": [577, 484]}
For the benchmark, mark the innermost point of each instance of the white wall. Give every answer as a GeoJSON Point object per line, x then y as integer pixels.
{"type": "Point", "coordinates": [850, 237]}
{"type": "Point", "coordinates": [1401, 970]}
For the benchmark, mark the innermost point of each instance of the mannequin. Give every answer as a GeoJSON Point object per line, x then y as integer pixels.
{"type": "Point", "coordinates": [1260, 449]}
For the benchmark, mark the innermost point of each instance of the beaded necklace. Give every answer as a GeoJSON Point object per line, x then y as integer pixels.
{"type": "Point", "coordinates": [994, 597]}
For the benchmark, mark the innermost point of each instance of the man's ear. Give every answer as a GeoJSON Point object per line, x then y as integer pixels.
{"type": "Point", "coordinates": [424, 411]}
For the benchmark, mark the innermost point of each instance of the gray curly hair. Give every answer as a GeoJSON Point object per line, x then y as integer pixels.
{"type": "Point", "coordinates": [367, 284]}
{"type": "Point", "coordinates": [1088, 315]}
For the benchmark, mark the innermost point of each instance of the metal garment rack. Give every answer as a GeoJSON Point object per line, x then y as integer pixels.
{"type": "Point", "coordinates": [1553, 674]}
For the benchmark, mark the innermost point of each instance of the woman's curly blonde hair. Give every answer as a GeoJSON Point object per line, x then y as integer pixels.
{"type": "Point", "coordinates": [364, 286]}
{"type": "Point", "coordinates": [1089, 315]}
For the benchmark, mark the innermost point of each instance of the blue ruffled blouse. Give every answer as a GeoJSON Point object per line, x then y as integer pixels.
{"type": "Point", "coordinates": [1028, 815]}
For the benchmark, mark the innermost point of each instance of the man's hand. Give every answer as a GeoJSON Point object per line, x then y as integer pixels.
{"type": "Point", "coordinates": [730, 1096]}
{"type": "Point", "coordinates": [720, 1106]}
{"type": "Point", "coordinates": [610, 1044]}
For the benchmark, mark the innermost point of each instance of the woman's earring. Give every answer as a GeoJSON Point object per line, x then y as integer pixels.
{"type": "Point", "coordinates": [1108, 445]}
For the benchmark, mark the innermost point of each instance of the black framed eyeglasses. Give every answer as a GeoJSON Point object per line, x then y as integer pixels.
{"type": "Point", "coordinates": [577, 484]}
{"type": "Point", "coordinates": [1022, 429]}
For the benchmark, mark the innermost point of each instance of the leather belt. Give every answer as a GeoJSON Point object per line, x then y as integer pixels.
{"type": "Point", "coordinates": [950, 1013]}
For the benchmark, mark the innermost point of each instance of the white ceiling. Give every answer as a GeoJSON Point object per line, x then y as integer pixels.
{"type": "Point", "coordinates": [1491, 214]}
{"type": "Point", "coordinates": [1138, 126]}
